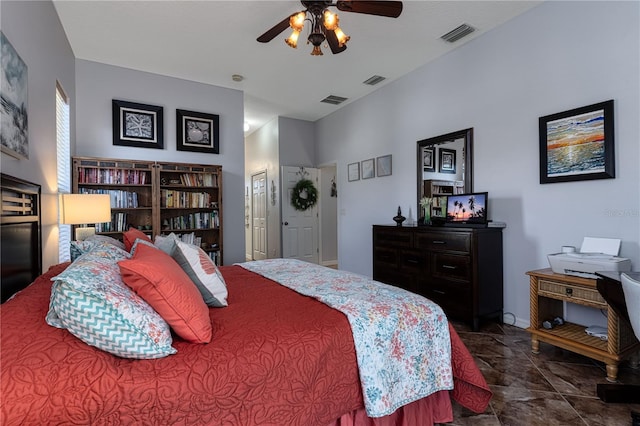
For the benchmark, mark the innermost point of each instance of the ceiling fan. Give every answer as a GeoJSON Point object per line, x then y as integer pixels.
{"type": "Point", "coordinates": [324, 22]}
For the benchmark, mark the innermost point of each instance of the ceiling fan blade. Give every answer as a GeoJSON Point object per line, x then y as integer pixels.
{"type": "Point", "coordinates": [391, 9]}
{"type": "Point", "coordinates": [332, 40]}
{"type": "Point", "coordinates": [273, 32]}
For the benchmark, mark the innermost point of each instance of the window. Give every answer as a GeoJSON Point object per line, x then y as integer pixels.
{"type": "Point", "coordinates": [63, 143]}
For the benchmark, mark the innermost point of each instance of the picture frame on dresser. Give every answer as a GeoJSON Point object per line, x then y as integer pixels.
{"type": "Point", "coordinates": [197, 132]}
{"type": "Point", "coordinates": [577, 144]}
{"type": "Point", "coordinates": [137, 125]}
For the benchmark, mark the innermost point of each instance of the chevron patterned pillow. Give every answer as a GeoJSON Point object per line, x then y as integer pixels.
{"type": "Point", "coordinates": [91, 301]}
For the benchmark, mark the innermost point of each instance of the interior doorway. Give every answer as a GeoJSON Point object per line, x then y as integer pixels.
{"type": "Point", "coordinates": [259, 215]}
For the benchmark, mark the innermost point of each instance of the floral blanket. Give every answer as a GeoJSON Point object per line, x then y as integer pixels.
{"type": "Point", "coordinates": [402, 339]}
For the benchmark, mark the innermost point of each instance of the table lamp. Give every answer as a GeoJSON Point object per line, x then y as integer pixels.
{"type": "Point", "coordinates": [82, 209]}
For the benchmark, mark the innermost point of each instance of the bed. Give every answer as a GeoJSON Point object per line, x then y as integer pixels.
{"type": "Point", "coordinates": [275, 357]}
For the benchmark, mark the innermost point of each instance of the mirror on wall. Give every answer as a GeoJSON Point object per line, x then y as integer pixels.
{"type": "Point", "coordinates": [445, 167]}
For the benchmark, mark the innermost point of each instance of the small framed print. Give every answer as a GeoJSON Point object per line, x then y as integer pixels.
{"type": "Point", "coordinates": [198, 131]}
{"type": "Point", "coordinates": [368, 169]}
{"type": "Point", "coordinates": [429, 159]}
{"type": "Point", "coordinates": [353, 172]}
{"type": "Point", "coordinates": [447, 160]}
{"type": "Point", "coordinates": [383, 166]}
{"type": "Point", "coordinates": [137, 125]}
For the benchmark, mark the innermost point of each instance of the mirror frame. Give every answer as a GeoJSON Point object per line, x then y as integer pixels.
{"type": "Point", "coordinates": [467, 135]}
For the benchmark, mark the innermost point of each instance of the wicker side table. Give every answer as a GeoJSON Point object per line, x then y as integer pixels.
{"type": "Point", "coordinates": [548, 291]}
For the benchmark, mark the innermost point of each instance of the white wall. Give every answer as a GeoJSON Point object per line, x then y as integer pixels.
{"type": "Point", "coordinates": [34, 30]}
{"type": "Point", "coordinates": [98, 84]}
{"type": "Point", "coordinates": [557, 56]}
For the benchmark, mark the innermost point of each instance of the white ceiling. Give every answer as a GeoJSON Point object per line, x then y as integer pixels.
{"type": "Point", "coordinates": [209, 41]}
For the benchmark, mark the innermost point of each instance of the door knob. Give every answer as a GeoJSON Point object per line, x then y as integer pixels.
{"type": "Point", "coordinates": [286, 223]}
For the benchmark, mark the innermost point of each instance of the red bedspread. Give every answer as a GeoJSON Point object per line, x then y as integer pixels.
{"type": "Point", "coordinates": [277, 358]}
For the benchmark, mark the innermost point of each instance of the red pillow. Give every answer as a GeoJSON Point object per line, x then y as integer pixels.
{"type": "Point", "coordinates": [129, 237]}
{"type": "Point", "coordinates": [162, 283]}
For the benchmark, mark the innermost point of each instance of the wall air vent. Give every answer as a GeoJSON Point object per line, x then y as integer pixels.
{"type": "Point", "coordinates": [372, 81]}
{"type": "Point", "coordinates": [456, 34]}
{"type": "Point", "coordinates": [333, 100]}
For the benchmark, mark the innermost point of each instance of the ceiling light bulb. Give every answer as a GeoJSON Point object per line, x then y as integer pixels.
{"type": "Point", "coordinates": [342, 37]}
{"type": "Point", "coordinates": [293, 39]}
{"type": "Point", "coordinates": [330, 20]}
{"type": "Point", "coordinates": [296, 21]}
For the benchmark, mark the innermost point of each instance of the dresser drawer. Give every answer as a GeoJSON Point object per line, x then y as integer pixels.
{"type": "Point", "coordinates": [440, 241]}
{"type": "Point", "coordinates": [453, 297]}
{"type": "Point", "coordinates": [571, 293]}
{"type": "Point", "coordinates": [451, 266]}
{"type": "Point", "coordinates": [385, 257]}
{"type": "Point", "coordinates": [412, 261]}
{"type": "Point", "coordinates": [395, 239]}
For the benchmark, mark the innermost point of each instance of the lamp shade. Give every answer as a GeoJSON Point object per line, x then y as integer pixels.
{"type": "Point", "coordinates": [76, 209]}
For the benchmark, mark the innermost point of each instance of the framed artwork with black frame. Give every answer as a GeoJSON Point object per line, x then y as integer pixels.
{"type": "Point", "coordinates": [429, 159]}
{"type": "Point", "coordinates": [447, 160]}
{"type": "Point", "coordinates": [368, 168]}
{"type": "Point", "coordinates": [137, 125]}
{"type": "Point", "coordinates": [198, 131]}
{"type": "Point", "coordinates": [577, 144]}
{"type": "Point", "coordinates": [353, 172]}
{"type": "Point", "coordinates": [383, 165]}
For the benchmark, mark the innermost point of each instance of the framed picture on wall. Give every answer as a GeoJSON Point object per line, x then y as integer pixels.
{"type": "Point", "coordinates": [383, 166]}
{"type": "Point", "coordinates": [198, 131]}
{"type": "Point", "coordinates": [353, 172]}
{"type": "Point", "coordinates": [368, 169]}
{"type": "Point", "coordinates": [577, 144]}
{"type": "Point", "coordinates": [14, 131]}
{"type": "Point", "coordinates": [447, 160]}
{"type": "Point", "coordinates": [137, 125]}
{"type": "Point", "coordinates": [429, 159]}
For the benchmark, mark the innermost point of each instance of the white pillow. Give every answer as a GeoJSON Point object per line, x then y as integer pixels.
{"type": "Point", "coordinates": [203, 272]}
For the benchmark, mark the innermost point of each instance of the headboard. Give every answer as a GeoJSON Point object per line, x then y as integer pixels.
{"type": "Point", "coordinates": [20, 235]}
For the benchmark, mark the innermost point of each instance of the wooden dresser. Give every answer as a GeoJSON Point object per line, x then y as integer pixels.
{"type": "Point", "coordinates": [458, 268]}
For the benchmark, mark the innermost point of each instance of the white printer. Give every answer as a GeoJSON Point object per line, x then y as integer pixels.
{"type": "Point", "coordinates": [596, 254]}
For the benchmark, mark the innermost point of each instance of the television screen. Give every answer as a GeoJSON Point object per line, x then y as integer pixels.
{"type": "Point", "coordinates": [467, 208]}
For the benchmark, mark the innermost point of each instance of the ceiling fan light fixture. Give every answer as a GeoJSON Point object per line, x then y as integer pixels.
{"type": "Point", "coordinates": [342, 37]}
{"type": "Point", "coordinates": [331, 20]}
{"type": "Point", "coordinates": [316, 51]}
{"type": "Point", "coordinates": [296, 21]}
{"type": "Point", "coordinates": [293, 39]}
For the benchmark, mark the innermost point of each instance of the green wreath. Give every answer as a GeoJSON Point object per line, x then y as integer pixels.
{"type": "Point", "coordinates": [304, 195]}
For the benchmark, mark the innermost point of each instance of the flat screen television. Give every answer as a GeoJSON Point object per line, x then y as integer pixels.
{"type": "Point", "coordinates": [467, 209]}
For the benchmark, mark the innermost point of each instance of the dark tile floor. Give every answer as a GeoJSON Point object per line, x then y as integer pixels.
{"type": "Point", "coordinates": [554, 387]}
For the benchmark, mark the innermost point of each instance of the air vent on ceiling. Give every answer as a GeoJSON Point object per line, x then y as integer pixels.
{"type": "Point", "coordinates": [334, 100]}
{"type": "Point", "coordinates": [456, 34]}
{"type": "Point", "coordinates": [372, 81]}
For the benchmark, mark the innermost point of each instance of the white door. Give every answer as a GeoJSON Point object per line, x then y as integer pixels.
{"type": "Point", "coordinates": [259, 225]}
{"type": "Point", "coordinates": [299, 228]}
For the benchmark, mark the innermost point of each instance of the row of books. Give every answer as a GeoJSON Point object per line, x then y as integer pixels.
{"type": "Point", "coordinates": [119, 223]}
{"type": "Point", "coordinates": [119, 198]}
{"type": "Point", "coordinates": [200, 220]}
{"type": "Point", "coordinates": [182, 199]}
{"type": "Point", "coordinates": [199, 179]}
{"type": "Point", "coordinates": [114, 176]}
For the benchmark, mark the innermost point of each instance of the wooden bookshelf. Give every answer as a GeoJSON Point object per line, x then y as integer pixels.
{"type": "Point", "coordinates": [157, 198]}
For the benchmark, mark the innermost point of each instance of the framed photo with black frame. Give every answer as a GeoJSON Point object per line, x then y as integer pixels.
{"type": "Point", "coordinates": [577, 144]}
{"type": "Point", "coordinates": [137, 125]}
{"type": "Point", "coordinates": [368, 168]}
{"type": "Point", "coordinates": [383, 166]}
{"type": "Point", "coordinates": [447, 160]}
{"type": "Point", "coordinates": [198, 131]}
{"type": "Point", "coordinates": [429, 159]}
{"type": "Point", "coordinates": [353, 172]}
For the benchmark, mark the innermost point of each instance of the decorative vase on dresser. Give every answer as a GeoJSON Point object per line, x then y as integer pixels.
{"type": "Point", "coordinates": [457, 267]}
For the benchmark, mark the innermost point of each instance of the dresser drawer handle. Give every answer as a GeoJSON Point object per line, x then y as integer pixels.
{"type": "Point", "coordinates": [449, 267]}
{"type": "Point", "coordinates": [439, 291]}
{"type": "Point", "coordinates": [439, 242]}
{"type": "Point", "coordinates": [415, 261]}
